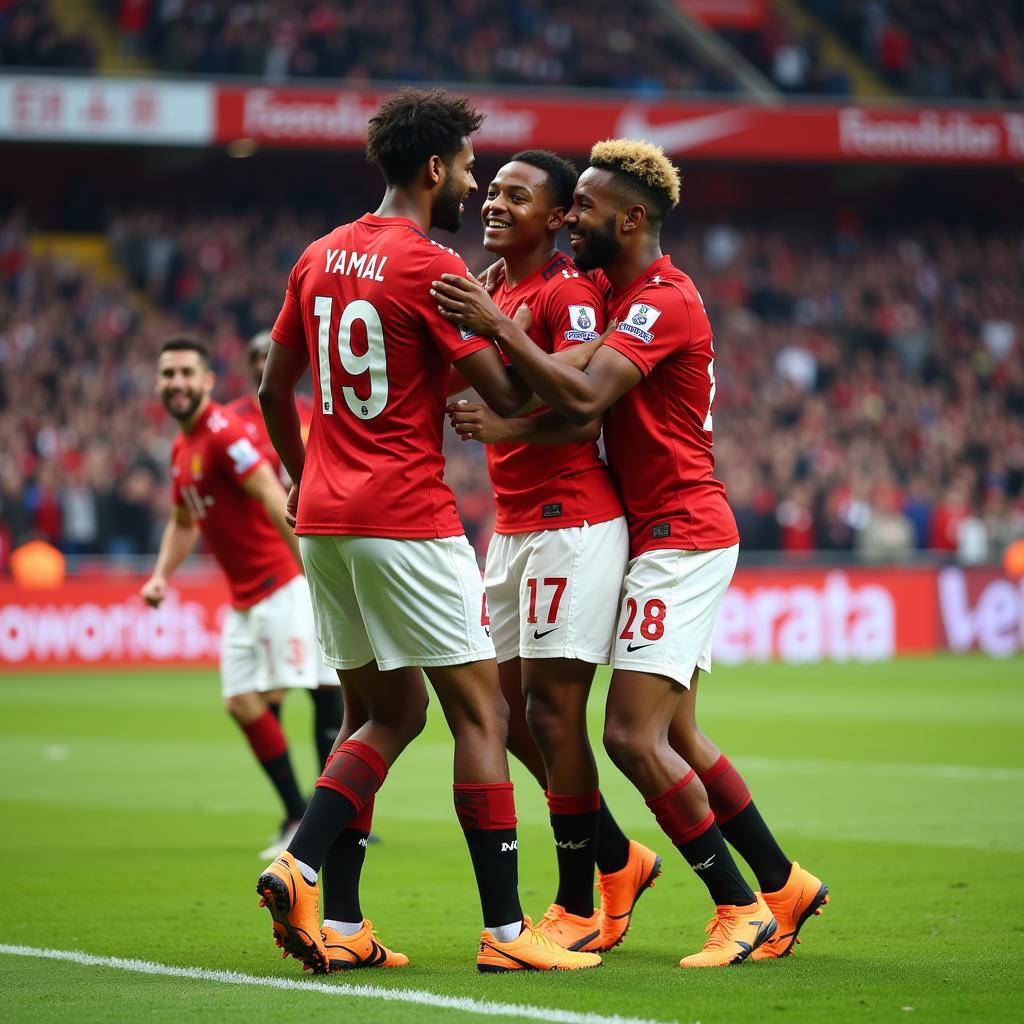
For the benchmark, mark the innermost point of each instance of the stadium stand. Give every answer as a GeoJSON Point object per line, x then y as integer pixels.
{"type": "Point", "coordinates": [31, 38]}
{"type": "Point", "coordinates": [871, 396]}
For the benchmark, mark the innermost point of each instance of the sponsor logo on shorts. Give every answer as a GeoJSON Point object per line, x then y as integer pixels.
{"type": "Point", "coordinates": [552, 511]}
{"type": "Point", "coordinates": [639, 322]}
{"type": "Point", "coordinates": [661, 530]}
{"type": "Point", "coordinates": [637, 647]}
{"type": "Point", "coordinates": [538, 635]}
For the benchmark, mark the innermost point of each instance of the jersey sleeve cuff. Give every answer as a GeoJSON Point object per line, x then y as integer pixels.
{"type": "Point", "coordinates": [629, 351]}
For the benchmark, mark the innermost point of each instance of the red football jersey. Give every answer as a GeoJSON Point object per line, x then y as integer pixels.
{"type": "Point", "coordinates": [543, 487]}
{"type": "Point", "coordinates": [207, 470]}
{"type": "Point", "coordinates": [359, 300]}
{"type": "Point", "coordinates": [658, 435]}
{"type": "Point", "coordinates": [247, 409]}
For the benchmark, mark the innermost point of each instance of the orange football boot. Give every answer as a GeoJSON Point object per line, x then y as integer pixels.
{"type": "Point", "coordinates": [294, 904]}
{"type": "Point", "coordinates": [801, 897]}
{"type": "Point", "coordinates": [570, 931]}
{"type": "Point", "coordinates": [362, 949]}
{"type": "Point", "coordinates": [620, 891]}
{"type": "Point", "coordinates": [733, 934]}
{"type": "Point", "coordinates": [530, 951]}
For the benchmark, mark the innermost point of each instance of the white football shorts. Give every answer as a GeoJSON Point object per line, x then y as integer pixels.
{"type": "Point", "coordinates": [555, 593]}
{"type": "Point", "coordinates": [396, 602]}
{"type": "Point", "coordinates": [273, 645]}
{"type": "Point", "coordinates": [669, 603]}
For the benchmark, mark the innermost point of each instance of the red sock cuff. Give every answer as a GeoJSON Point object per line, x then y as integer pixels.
{"type": "Point", "coordinates": [675, 813]}
{"type": "Point", "coordinates": [662, 800]}
{"type": "Point", "coordinates": [266, 737]}
{"type": "Point", "coordinates": [356, 771]}
{"type": "Point", "coordinates": [687, 835]}
{"type": "Point", "coordinates": [363, 821]}
{"type": "Point", "coordinates": [489, 806]}
{"type": "Point", "coordinates": [727, 792]}
{"type": "Point", "coordinates": [573, 803]}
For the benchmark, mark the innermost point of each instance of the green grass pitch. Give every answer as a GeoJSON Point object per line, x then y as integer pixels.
{"type": "Point", "coordinates": [131, 817]}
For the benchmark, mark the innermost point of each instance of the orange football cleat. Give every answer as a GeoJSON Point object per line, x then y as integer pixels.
{"type": "Point", "coordinates": [801, 897]}
{"type": "Point", "coordinates": [570, 931]}
{"type": "Point", "coordinates": [294, 904]}
{"type": "Point", "coordinates": [620, 891]}
{"type": "Point", "coordinates": [529, 951]}
{"type": "Point", "coordinates": [733, 934]}
{"type": "Point", "coordinates": [362, 949]}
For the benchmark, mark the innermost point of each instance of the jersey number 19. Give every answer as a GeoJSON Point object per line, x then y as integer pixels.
{"type": "Point", "coordinates": [372, 363]}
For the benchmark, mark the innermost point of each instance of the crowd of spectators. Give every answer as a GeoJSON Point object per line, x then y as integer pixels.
{"type": "Point", "coordinates": [870, 387]}
{"type": "Point", "coordinates": [936, 48]}
{"type": "Point", "coordinates": [617, 44]}
{"type": "Point", "coordinates": [31, 38]}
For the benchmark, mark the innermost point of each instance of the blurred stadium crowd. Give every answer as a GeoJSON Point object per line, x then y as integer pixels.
{"type": "Point", "coordinates": [926, 48]}
{"type": "Point", "coordinates": [870, 387]}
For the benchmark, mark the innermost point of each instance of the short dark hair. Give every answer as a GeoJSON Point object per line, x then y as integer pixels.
{"type": "Point", "coordinates": [561, 173]}
{"type": "Point", "coordinates": [411, 126]}
{"type": "Point", "coordinates": [186, 343]}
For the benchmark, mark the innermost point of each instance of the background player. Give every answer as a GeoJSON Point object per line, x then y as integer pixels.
{"type": "Point", "coordinates": [326, 697]}
{"type": "Point", "coordinates": [395, 583]}
{"type": "Point", "coordinates": [555, 563]}
{"type": "Point", "coordinates": [225, 489]}
{"type": "Point", "coordinates": [654, 376]}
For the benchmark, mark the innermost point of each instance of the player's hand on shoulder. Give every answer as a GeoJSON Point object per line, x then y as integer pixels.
{"type": "Point", "coordinates": [291, 506]}
{"type": "Point", "coordinates": [493, 276]}
{"type": "Point", "coordinates": [473, 421]}
{"type": "Point", "coordinates": [466, 303]}
{"type": "Point", "coordinates": [153, 591]}
{"type": "Point", "coordinates": [523, 318]}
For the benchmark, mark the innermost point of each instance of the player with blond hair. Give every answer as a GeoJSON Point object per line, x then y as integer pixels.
{"type": "Point", "coordinates": [654, 381]}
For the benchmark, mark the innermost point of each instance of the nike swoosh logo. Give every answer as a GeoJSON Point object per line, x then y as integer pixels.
{"type": "Point", "coordinates": [637, 647]}
{"type": "Point", "coordinates": [678, 136]}
{"type": "Point", "coordinates": [537, 635]}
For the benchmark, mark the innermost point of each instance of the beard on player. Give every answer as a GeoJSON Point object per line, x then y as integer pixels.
{"type": "Point", "coordinates": [447, 211]}
{"type": "Point", "coordinates": [181, 403]}
{"type": "Point", "coordinates": [597, 247]}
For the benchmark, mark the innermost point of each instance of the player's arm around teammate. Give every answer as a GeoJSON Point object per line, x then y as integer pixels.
{"type": "Point", "coordinates": [658, 371]}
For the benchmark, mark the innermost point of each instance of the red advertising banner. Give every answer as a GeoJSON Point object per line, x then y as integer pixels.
{"type": "Point", "coordinates": [337, 118]}
{"type": "Point", "coordinates": [792, 615]}
{"type": "Point", "coordinates": [154, 112]}
{"type": "Point", "coordinates": [726, 13]}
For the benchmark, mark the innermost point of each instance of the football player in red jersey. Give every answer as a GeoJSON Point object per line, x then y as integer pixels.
{"type": "Point", "coordinates": [224, 489]}
{"type": "Point", "coordinates": [326, 697]}
{"type": "Point", "coordinates": [395, 584]}
{"type": "Point", "coordinates": [653, 379]}
{"type": "Point", "coordinates": [556, 560]}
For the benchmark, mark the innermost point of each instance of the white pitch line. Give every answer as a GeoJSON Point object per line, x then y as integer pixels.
{"type": "Point", "coordinates": [419, 997]}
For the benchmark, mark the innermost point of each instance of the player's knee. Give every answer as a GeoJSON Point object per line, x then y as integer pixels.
{"type": "Point", "coordinates": [414, 716]}
{"type": "Point", "coordinates": [244, 707]}
{"type": "Point", "coordinates": [547, 723]}
{"type": "Point", "coordinates": [624, 743]}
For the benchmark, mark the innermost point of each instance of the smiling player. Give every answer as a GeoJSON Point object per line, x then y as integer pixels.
{"type": "Point", "coordinates": [395, 584]}
{"type": "Point", "coordinates": [654, 379]}
{"type": "Point", "coordinates": [555, 563]}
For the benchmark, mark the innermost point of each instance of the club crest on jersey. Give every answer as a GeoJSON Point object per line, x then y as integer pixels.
{"type": "Point", "coordinates": [639, 321]}
{"type": "Point", "coordinates": [582, 320]}
{"type": "Point", "coordinates": [466, 333]}
{"type": "Point", "coordinates": [197, 466]}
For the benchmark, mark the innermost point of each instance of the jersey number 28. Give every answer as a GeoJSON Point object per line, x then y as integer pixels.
{"type": "Point", "coordinates": [372, 363]}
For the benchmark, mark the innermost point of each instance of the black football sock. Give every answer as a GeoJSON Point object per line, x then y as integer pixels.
{"type": "Point", "coordinates": [327, 714]}
{"type": "Point", "coordinates": [270, 747]}
{"type": "Point", "coordinates": [712, 863]}
{"type": "Point", "coordinates": [343, 868]}
{"type": "Point", "coordinates": [754, 842]}
{"type": "Point", "coordinates": [612, 844]}
{"type": "Point", "coordinates": [487, 815]}
{"type": "Point", "coordinates": [742, 825]}
{"type": "Point", "coordinates": [350, 780]}
{"type": "Point", "coordinates": [574, 821]}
